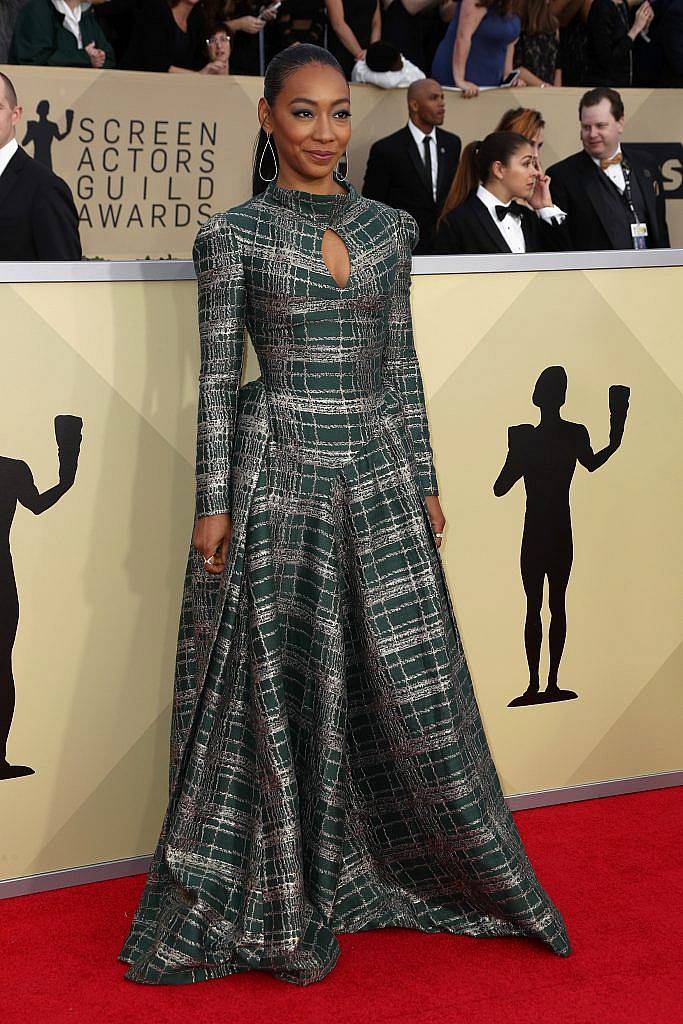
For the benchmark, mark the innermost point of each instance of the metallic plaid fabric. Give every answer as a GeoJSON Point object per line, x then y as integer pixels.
{"type": "Point", "coordinates": [329, 768]}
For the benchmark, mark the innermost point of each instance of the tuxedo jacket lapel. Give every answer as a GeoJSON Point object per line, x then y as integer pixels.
{"type": "Point", "coordinates": [441, 182]}
{"type": "Point", "coordinates": [10, 176]}
{"type": "Point", "coordinates": [594, 190]}
{"type": "Point", "coordinates": [489, 228]}
{"type": "Point", "coordinates": [416, 161]}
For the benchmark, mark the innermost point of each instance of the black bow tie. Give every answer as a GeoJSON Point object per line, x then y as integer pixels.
{"type": "Point", "coordinates": [514, 208]}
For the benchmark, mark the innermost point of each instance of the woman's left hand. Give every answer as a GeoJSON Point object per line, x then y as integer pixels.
{"type": "Point", "coordinates": [436, 516]}
{"type": "Point", "coordinates": [541, 195]}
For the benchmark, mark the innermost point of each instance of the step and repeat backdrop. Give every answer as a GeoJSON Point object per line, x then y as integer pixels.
{"type": "Point", "coordinates": [98, 422]}
{"type": "Point", "coordinates": [149, 156]}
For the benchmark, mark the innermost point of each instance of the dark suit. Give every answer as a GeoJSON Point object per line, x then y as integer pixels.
{"type": "Point", "coordinates": [38, 219]}
{"type": "Point", "coordinates": [578, 190]}
{"type": "Point", "coordinates": [609, 52]}
{"type": "Point", "coordinates": [470, 228]}
{"type": "Point", "coordinates": [669, 32]}
{"type": "Point", "coordinates": [395, 175]}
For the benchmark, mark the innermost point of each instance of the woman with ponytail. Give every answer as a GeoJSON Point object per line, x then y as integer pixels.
{"type": "Point", "coordinates": [483, 212]}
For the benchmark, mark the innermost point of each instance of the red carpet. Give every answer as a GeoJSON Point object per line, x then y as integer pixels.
{"type": "Point", "coordinates": [612, 865]}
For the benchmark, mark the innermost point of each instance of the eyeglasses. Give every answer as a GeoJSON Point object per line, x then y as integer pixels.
{"type": "Point", "coordinates": [222, 38]}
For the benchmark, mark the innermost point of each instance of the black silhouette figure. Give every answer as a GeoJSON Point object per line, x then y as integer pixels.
{"type": "Point", "coordinates": [42, 133]}
{"type": "Point", "coordinates": [16, 484]}
{"type": "Point", "coordinates": [546, 456]}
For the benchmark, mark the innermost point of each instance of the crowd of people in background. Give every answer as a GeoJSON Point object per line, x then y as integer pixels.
{"type": "Point", "coordinates": [465, 44]}
{"type": "Point", "coordinates": [494, 196]}
{"type": "Point", "coordinates": [491, 197]}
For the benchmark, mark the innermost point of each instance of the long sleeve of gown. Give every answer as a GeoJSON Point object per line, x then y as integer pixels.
{"type": "Point", "coordinates": [401, 369]}
{"type": "Point", "coordinates": [221, 307]}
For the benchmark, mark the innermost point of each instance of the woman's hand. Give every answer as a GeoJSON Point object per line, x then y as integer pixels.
{"type": "Point", "coordinates": [644, 16]}
{"type": "Point", "coordinates": [268, 13]}
{"type": "Point", "coordinates": [249, 24]}
{"type": "Point", "coordinates": [211, 536]}
{"type": "Point", "coordinates": [541, 197]}
{"type": "Point", "coordinates": [469, 89]}
{"type": "Point", "coordinates": [215, 67]}
{"type": "Point", "coordinates": [436, 516]}
{"type": "Point", "coordinates": [96, 57]}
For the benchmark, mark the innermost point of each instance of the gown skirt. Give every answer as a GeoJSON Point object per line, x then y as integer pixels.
{"type": "Point", "coordinates": [329, 768]}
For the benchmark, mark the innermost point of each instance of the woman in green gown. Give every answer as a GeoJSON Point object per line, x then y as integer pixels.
{"type": "Point", "coordinates": [329, 768]}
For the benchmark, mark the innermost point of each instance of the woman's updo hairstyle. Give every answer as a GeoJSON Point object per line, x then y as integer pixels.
{"type": "Point", "coordinates": [278, 71]}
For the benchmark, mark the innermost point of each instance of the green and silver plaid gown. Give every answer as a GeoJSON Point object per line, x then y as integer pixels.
{"type": "Point", "coordinates": [329, 768]}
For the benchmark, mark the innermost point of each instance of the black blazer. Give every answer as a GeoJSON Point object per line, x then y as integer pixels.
{"type": "Point", "coordinates": [470, 228]}
{"type": "Point", "coordinates": [395, 175]}
{"type": "Point", "coordinates": [38, 219]}
{"type": "Point", "coordinates": [577, 190]}
{"type": "Point", "coordinates": [668, 23]}
{"type": "Point", "coordinates": [152, 43]}
{"type": "Point", "coordinates": [609, 51]}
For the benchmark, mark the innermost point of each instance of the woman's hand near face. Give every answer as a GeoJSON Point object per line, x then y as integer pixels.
{"type": "Point", "coordinates": [211, 536]}
{"type": "Point", "coordinates": [215, 67]}
{"type": "Point", "coordinates": [541, 195]}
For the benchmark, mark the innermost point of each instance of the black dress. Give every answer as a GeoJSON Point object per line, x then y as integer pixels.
{"type": "Point", "coordinates": [244, 50]}
{"type": "Point", "coordinates": [299, 21]}
{"type": "Point", "coordinates": [358, 15]}
{"type": "Point", "coordinates": [609, 54]}
{"type": "Point", "coordinates": [538, 53]}
{"type": "Point", "coordinates": [407, 32]}
{"type": "Point", "coordinates": [572, 57]}
{"type": "Point", "coordinates": [157, 42]}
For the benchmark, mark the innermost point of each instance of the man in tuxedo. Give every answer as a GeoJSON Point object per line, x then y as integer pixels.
{"type": "Point", "coordinates": [612, 194]}
{"type": "Point", "coordinates": [38, 219]}
{"type": "Point", "coordinates": [413, 169]}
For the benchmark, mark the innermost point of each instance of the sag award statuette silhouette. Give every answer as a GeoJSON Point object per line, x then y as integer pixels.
{"type": "Point", "coordinates": [42, 133]}
{"type": "Point", "coordinates": [16, 485]}
{"type": "Point", "coordinates": [545, 456]}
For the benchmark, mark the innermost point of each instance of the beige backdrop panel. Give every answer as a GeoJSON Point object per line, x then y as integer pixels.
{"type": "Point", "coordinates": [100, 574]}
{"type": "Point", "coordinates": [150, 156]}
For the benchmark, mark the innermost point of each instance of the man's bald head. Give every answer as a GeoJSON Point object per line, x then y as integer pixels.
{"type": "Point", "coordinates": [10, 111]}
{"type": "Point", "coordinates": [10, 93]}
{"type": "Point", "coordinates": [426, 103]}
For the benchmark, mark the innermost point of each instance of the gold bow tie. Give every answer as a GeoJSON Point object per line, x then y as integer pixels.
{"type": "Point", "coordinates": [616, 159]}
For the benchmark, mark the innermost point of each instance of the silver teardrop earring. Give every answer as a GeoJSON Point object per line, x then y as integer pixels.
{"type": "Point", "coordinates": [260, 163]}
{"type": "Point", "coordinates": [343, 177]}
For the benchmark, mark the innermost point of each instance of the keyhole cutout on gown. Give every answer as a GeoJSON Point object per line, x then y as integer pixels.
{"type": "Point", "coordinates": [336, 258]}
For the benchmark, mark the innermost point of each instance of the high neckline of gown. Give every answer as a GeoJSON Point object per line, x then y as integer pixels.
{"type": "Point", "coordinates": [313, 205]}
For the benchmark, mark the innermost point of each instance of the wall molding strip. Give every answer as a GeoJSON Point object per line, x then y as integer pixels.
{"type": "Point", "coordinates": [127, 866]}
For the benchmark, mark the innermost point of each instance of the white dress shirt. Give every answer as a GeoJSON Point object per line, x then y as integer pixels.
{"type": "Point", "coordinates": [614, 172]}
{"type": "Point", "coordinates": [72, 17]}
{"type": "Point", "coordinates": [510, 227]}
{"type": "Point", "coordinates": [7, 152]}
{"type": "Point", "coordinates": [419, 136]}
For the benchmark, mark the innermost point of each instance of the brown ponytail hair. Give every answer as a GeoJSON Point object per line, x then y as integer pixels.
{"type": "Point", "coordinates": [475, 164]}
